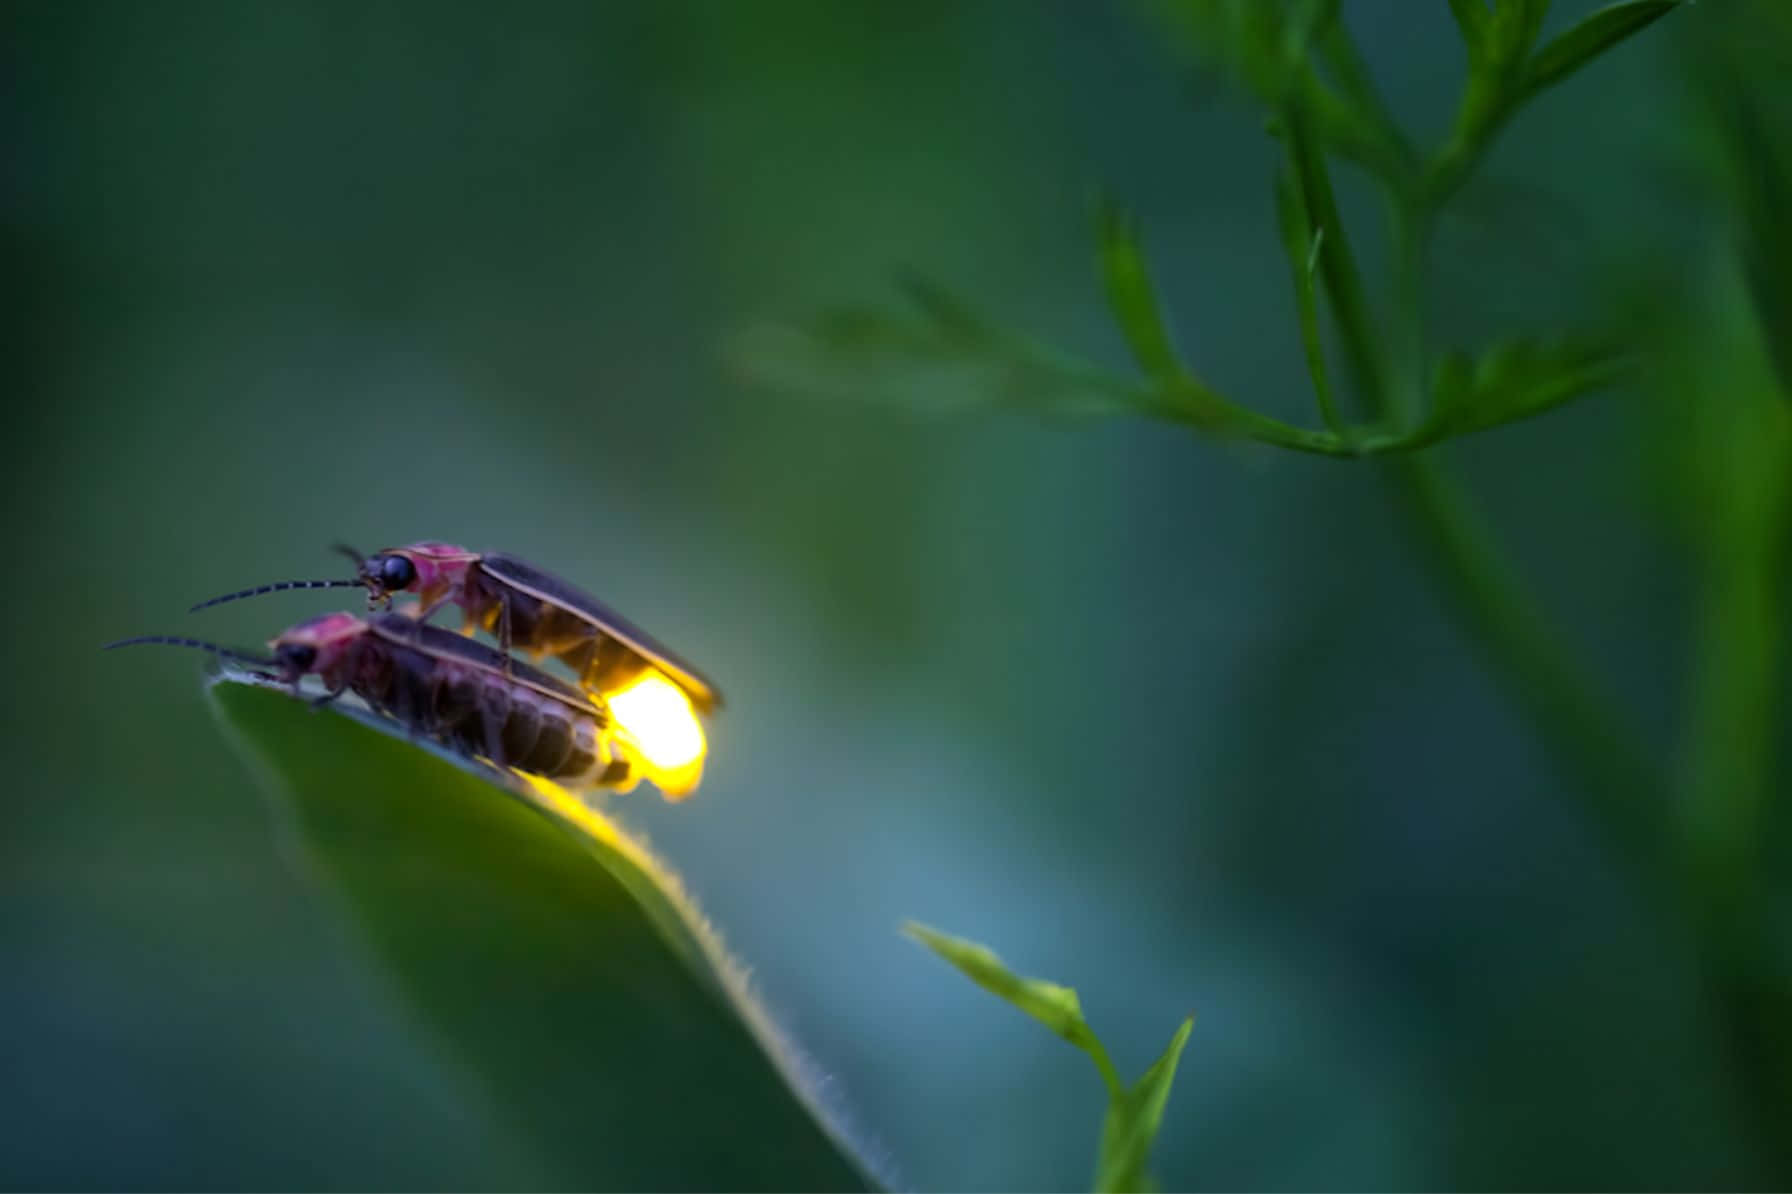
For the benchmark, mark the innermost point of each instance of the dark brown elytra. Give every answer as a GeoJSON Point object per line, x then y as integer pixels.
{"type": "Point", "coordinates": [523, 607]}
{"type": "Point", "coordinates": [440, 685]}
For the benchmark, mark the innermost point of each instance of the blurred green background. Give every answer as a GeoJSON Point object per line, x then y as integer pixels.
{"type": "Point", "coordinates": [1179, 723]}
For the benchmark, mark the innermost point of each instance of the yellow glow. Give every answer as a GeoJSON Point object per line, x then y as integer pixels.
{"type": "Point", "coordinates": [656, 717]}
{"type": "Point", "coordinates": [552, 796]}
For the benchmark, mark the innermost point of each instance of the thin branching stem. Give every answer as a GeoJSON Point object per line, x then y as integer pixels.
{"type": "Point", "coordinates": [1569, 712]}
{"type": "Point", "coordinates": [1533, 661]}
{"type": "Point", "coordinates": [1730, 771]}
{"type": "Point", "coordinates": [1337, 265]}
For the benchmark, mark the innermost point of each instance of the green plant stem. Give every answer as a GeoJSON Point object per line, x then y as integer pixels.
{"type": "Point", "coordinates": [1729, 779]}
{"type": "Point", "coordinates": [1411, 236]}
{"type": "Point", "coordinates": [1731, 772]}
{"type": "Point", "coordinates": [1535, 665]}
{"type": "Point", "coordinates": [1489, 97]}
{"type": "Point", "coordinates": [1734, 719]}
{"type": "Point", "coordinates": [1568, 712]}
{"type": "Point", "coordinates": [1713, 871]}
{"type": "Point", "coordinates": [1399, 162]}
{"type": "Point", "coordinates": [1337, 264]}
{"type": "Point", "coordinates": [1484, 111]}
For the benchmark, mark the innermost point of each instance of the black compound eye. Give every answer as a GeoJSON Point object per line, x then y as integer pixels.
{"type": "Point", "coordinates": [397, 572]}
{"type": "Point", "coordinates": [297, 656]}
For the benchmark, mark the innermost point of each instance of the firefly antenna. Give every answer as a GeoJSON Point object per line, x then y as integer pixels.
{"type": "Point", "coordinates": [343, 549]}
{"type": "Point", "coordinates": [172, 640]}
{"type": "Point", "coordinates": [276, 587]}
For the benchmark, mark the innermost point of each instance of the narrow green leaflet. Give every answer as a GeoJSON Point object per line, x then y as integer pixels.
{"type": "Point", "coordinates": [938, 357]}
{"type": "Point", "coordinates": [1134, 1113]}
{"type": "Point", "coordinates": [1053, 1006]}
{"type": "Point", "coordinates": [1515, 380]}
{"type": "Point", "coordinates": [1592, 37]}
{"type": "Point", "coordinates": [947, 312]}
{"type": "Point", "coordinates": [1131, 294]}
{"type": "Point", "coordinates": [548, 954]}
{"type": "Point", "coordinates": [1133, 1119]}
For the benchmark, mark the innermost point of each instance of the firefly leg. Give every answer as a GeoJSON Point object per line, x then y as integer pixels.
{"type": "Point", "coordinates": [582, 659]}
{"type": "Point", "coordinates": [422, 611]}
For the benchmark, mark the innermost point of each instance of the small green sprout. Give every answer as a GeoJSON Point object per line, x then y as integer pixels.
{"type": "Point", "coordinates": [1134, 1112]}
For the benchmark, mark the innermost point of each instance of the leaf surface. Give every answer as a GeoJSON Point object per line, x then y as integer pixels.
{"type": "Point", "coordinates": [548, 953]}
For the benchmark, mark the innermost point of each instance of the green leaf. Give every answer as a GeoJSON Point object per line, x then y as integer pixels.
{"type": "Point", "coordinates": [1133, 1120]}
{"type": "Point", "coordinates": [1131, 295]}
{"type": "Point", "coordinates": [1592, 37]}
{"type": "Point", "coordinates": [551, 955]}
{"type": "Point", "coordinates": [1134, 1113]}
{"type": "Point", "coordinates": [1053, 1006]}
{"type": "Point", "coordinates": [1515, 380]}
{"type": "Point", "coordinates": [948, 313]}
{"type": "Point", "coordinates": [938, 358]}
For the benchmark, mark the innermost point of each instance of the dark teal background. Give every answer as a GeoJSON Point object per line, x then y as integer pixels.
{"type": "Point", "coordinates": [1175, 722]}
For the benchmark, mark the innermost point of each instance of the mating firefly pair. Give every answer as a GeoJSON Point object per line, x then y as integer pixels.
{"type": "Point", "coordinates": [631, 715]}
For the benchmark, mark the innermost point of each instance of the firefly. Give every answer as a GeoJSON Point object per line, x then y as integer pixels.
{"type": "Point", "coordinates": [460, 693]}
{"type": "Point", "coordinates": [653, 694]}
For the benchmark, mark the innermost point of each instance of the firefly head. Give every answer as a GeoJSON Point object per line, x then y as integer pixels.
{"type": "Point", "coordinates": [316, 646]}
{"type": "Point", "coordinates": [426, 569]}
{"type": "Point", "coordinates": [391, 571]}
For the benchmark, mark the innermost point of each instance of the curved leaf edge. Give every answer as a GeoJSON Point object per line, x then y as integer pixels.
{"type": "Point", "coordinates": [661, 892]}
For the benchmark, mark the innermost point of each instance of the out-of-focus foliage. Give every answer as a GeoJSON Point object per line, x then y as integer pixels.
{"type": "Point", "coordinates": [1694, 843]}
{"type": "Point", "coordinates": [1722, 407]}
{"type": "Point", "coordinates": [1301, 63]}
{"type": "Point", "coordinates": [947, 357]}
{"type": "Point", "coordinates": [1507, 69]}
{"type": "Point", "coordinates": [1746, 118]}
{"type": "Point", "coordinates": [1515, 380]}
{"type": "Point", "coordinates": [1135, 1111]}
